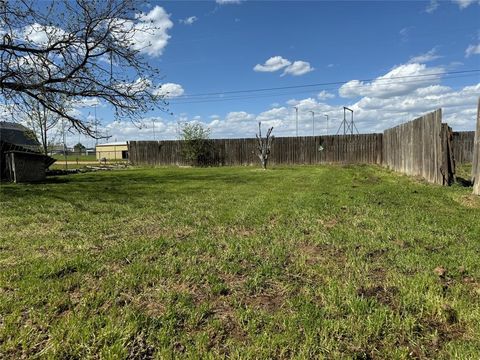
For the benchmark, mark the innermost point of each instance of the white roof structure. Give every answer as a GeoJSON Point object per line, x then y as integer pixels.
{"type": "Point", "coordinates": [119, 143]}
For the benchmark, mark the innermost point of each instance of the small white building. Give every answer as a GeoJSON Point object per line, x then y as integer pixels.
{"type": "Point", "coordinates": [114, 151]}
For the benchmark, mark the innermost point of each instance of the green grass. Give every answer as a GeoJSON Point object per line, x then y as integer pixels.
{"type": "Point", "coordinates": [294, 262]}
{"type": "Point", "coordinates": [464, 171]}
{"type": "Point", "coordinates": [75, 157]}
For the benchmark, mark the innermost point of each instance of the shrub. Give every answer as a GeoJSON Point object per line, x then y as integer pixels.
{"type": "Point", "coordinates": [197, 147]}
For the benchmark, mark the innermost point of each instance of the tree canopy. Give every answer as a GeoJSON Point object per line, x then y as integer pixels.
{"type": "Point", "coordinates": [73, 52]}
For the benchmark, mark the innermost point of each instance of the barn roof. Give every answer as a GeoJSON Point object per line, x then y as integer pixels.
{"type": "Point", "coordinates": [19, 135]}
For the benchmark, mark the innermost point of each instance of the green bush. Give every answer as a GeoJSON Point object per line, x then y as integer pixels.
{"type": "Point", "coordinates": [197, 147]}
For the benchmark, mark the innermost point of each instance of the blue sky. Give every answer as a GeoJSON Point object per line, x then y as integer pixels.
{"type": "Point", "coordinates": [215, 47]}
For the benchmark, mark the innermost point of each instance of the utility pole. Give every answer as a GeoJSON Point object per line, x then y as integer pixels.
{"type": "Point", "coordinates": [64, 144]}
{"type": "Point", "coordinates": [313, 123]}
{"type": "Point", "coordinates": [96, 131]}
{"type": "Point", "coordinates": [296, 117]}
{"type": "Point", "coordinates": [327, 124]}
{"type": "Point", "coordinates": [153, 128]}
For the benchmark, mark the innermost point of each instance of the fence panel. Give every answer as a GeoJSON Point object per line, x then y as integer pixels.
{"type": "Point", "coordinates": [419, 148]}
{"type": "Point", "coordinates": [363, 148]}
{"type": "Point", "coordinates": [462, 144]}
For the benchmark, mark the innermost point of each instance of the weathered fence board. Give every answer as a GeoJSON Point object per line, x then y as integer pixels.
{"type": "Point", "coordinates": [363, 148]}
{"type": "Point", "coordinates": [462, 144]}
{"type": "Point", "coordinates": [419, 148]}
{"type": "Point", "coordinates": [476, 156]}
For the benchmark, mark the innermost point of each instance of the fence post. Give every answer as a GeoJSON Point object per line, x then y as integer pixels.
{"type": "Point", "coordinates": [476, 156]}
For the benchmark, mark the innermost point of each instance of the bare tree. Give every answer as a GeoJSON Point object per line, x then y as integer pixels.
{"type": "Point", "coordinates": [76, 50]}
{"type": "Point", "coordinates": [41, 121]}
{"type": "Point", "coordinates": [264, 145]}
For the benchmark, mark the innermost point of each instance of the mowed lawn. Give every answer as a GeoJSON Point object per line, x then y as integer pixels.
{"type": "Point", "coordinates": [352, 262]}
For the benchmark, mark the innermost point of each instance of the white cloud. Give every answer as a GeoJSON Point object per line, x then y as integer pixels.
{"type": "Point", "coordinates": [376, 114]}
{"type": "Point", "coordinates": [86, 103]}
{"type": "Point", "coordinates": [325, 95]}
{"type": "Point", "coordinates": [275, 63]}
{"type": "Point", "coordinates": [170, 90]}
{"type": "Point", "coordinates": [432, 6]}
{"type": "Point", "coordinates": [298, 68]}
{"type": "Point", "coordinates": [400, 80]}
{"type": "Point", "coordinates": [227, 2]}
{"type": "Point", "coordinates": [462, 4]}
{"type": "Point", "coordinates": [151, 31]}
{"type": "Point", "coordinates": [426, 57]}
{"type": "Point", "coordinates": [147, 129]}
{"type": "Point", "coordinates": [405, 33]}
{"type": "Point", "coordinates": [188, 21]}
{"type": "Point", "coordinates": [472, 50]}
{"type": "Point", "coordinates": [273, 115]}
{"type": "Point", "coordinates": [239, 116]}
{"type": "Point", "coordinates": [41, 34]}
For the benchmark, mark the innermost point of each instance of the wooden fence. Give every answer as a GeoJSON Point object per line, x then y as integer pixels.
{"type": "Point", "coordinates": [420, 148]}
{"type": "Point", "coordinates": [462, 144]}
{"type": "Point", "coordinates": [423, 147]}
{"type": "Point", "coordinates": [363, 148]}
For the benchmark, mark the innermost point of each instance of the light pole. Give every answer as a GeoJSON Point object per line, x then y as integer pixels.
{"type": "Point", "coordinates": [96, 124]}
{"type": "Point", "coordinates": [296, 117]}
{"type": "Point", "coordinates": [64, 144]}
{"type": "Point", "coordinates": [313, 122]}
{"type": "Point", "coordinates": [327, 123]}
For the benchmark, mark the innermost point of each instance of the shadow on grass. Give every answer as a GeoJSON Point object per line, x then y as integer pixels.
{"type": "Point", "coordinates": [131, 186]}
{"type": "Point", "coordinates": [463, 182]}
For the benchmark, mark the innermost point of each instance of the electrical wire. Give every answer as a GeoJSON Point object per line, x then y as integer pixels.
{"type": "Point", "coordinates": [244, 95]}
{"type": "Point", "coordinates": [330, 83]}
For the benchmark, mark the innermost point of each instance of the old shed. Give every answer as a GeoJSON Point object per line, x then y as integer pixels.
{"type": "Point", "coordinates": [21, 159]}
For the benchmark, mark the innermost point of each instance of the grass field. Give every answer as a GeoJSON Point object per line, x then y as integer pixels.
{"type": "Point", "coordinates": [330, 262]}
{"type": "Point", "coordinates": [75, 157]}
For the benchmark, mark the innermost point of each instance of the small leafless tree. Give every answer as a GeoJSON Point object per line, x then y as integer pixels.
{"type": "Point", "coordinates": [41, 121]}
{"type": "Point", "coordinates": [77, 50]}
{"type": "Point", "coordinates": [264, 145]}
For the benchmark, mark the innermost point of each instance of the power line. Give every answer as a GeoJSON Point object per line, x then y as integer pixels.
{"type": "Point", "coordinates": [183, 100]}
{"type": "Point", "coordinates": [326, 84]}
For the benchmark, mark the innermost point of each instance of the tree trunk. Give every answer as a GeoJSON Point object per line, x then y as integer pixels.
{"type": "Point", "coordinates": [264, 164]}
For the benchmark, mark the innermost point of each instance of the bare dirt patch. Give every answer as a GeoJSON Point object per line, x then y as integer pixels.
{"type": "Point", "coordinates": [139, 348]}
{"type": "Point", "coordinates": [321, 253]}
{"type": "Point", "coordinates": [269, 302]}
{"type": "Point", "coordinates": [383, 295]}
{"type": "Point", "coordinates": [437, 334]}
{"type": "Point", "coordinates": [229, 329]}
{"type": "Point", "coordinates": [328, 223]}
{"type": "Point", "coordinates": [470, 201]}
{"type": "Point", "coordinates": [375, 254]}
{"type": "Point", "coordinates": [377, 274]}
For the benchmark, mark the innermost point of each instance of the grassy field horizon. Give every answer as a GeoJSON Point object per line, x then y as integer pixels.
{"type": "Point", "coordinates": [334, 262]}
